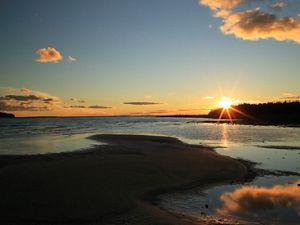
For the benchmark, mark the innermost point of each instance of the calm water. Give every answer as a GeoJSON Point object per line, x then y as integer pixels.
{"type": "Point", "coordinates": [273, 147]}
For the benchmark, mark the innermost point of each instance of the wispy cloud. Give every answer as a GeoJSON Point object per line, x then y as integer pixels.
{"type": "Point", "coordinates": [148, 97]}
{"type": "Point", "coordinates": [290, 96]}
{"type": "Point", "coordinates": [48, 55]}
{"type": "Point", "coordinates": [278, 5]}
{"type": "Point", "coordinates": [88, 107]}
{"type": "Point", "coordinates": [25, 91]}
{"type": "Point", "coordinates": [77, 106]}
{"type": "Point", "coordinates": [142, 103]}
{"type": "Point", "coordinates": [77, 100]}
{"type": "Point", "coordinates": [249, 23]}
{"type": "Point", "coordinates": [208, 97]}
{"type": "Point", "coordinates": [99, 107]}
{"type": "Point", "coordinates": [71, 59]}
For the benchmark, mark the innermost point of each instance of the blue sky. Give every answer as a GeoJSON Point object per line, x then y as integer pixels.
{"type": "Point", "coordinates": [164, 51]}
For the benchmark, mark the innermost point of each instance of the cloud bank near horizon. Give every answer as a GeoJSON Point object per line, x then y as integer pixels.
{"type": "Point", "coordinates": [24, 99]}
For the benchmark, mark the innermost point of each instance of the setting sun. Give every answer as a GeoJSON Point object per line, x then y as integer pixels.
{"type": "Point", "coordinates": [225, 103]}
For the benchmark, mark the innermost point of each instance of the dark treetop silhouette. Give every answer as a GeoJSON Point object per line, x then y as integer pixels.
{"type": "Point", "coordinates": [263, 113]}
{"type": "Point", "coordinates": [9, 115]}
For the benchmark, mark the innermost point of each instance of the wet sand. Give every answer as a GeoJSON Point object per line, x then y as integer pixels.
{"type": "Point", "coordinates": [109, 184]}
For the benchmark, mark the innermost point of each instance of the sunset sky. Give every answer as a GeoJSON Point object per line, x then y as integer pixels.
{"type": "Point", "coordinates": [136, 57]}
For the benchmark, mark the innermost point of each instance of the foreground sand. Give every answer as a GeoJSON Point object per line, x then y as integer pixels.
{"type": "Point", "coordinates": [109, 184]}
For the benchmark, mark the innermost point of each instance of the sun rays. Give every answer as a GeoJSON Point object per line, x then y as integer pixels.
{"type": "Point", "coordinates": [228, 111]}
{"type": "Point", "coordinates": [225, 103]}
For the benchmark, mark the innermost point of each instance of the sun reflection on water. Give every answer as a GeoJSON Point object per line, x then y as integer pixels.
{"type": "Point", "coordinates": [224, 139]}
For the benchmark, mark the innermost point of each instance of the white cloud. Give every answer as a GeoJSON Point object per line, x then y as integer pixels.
{"type": "Point", "coordinates": [71, 59]}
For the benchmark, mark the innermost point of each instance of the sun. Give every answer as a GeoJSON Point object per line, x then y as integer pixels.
{"type": "Point", "coordinates": [225, 103]}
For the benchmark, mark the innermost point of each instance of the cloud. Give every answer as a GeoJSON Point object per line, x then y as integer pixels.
{"type": "Point", "coordinates": [5, 106]}
{"type": "Point", "coordinates": [48, 55]}
{"type": "Point", "coordinates": [278, 5]}
{"type": "Point", "coordinates": [141, 103]}
{"type": "Point", "coordinates": [254, 199]}
{"type": "Point", "coordinates": [99, 107]}
{"type": "Point", "coordinates": [208, 97]}
{"type": "Point", "coordinates": [88, 107]}
{"type": "Point", "coordinates": [77, 100]}
{"type": "Point", "coordinates": [290, 96]}
{"type": "Point", "coordinates": [28, 98]}
{"type": "Point", "coordinates": [254, 23]}
{"type": "Point", "coordinates": [25, 91]}
{"type": "Point", "coordinates": [77, 106]}
{"type": "Point", "coordinates": [71, 59]}
{"type": "Point", "coordinates": [22, 98]}
{"type": "Point", "coordinates": [25, 99]}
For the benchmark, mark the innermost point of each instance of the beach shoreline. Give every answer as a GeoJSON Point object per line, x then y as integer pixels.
{"type": "Point", "coordinates": [115, 183]}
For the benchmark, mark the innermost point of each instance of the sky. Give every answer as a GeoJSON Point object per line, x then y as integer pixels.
{"type": "Point", "coordinates": [138, 57]}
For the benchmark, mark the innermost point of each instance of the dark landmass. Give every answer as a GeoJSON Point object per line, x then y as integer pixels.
{"type": "Point", "coordinates": [278, 113]}
{"type": "Point", "coordinates": [6, 115]}
{"type": "Point", "coordinates": [282, 147]}
{"type": "Point", "coordinates": [115, 183]}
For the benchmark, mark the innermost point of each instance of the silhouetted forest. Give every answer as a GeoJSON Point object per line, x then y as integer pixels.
{"type": "Point", "coordinates": [3, 114]}
{"type": "Point", "coordinates": [263, 113]}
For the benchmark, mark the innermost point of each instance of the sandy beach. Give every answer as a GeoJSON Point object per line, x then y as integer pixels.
{"type": "Point", "coordinates": [114, 183]}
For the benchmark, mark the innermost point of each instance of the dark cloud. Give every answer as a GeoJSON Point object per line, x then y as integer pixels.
{"type": "Point", "coordinates": [28, 98]}
{"type": "Point", "coordinates": [77, 100]}
{"type": "Point", "coordinates": [48, 100]}
{"type": "Point", "coordinates": [77, 106]}
{"type": "Point", "coordinates": [4, 106]}
{"type": "Point", "coordinates": [99, 107]}
{"type": "Point", "coordinates": [141, 103]}
{"type": "Point", "coordinates": [89, 107]}
{"type": "Point", "coordinates": [21, 97]}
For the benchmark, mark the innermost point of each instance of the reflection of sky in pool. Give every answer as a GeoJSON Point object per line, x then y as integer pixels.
{"type": "Point", "coordinates": [260, 202]}
{"type": "Point", "coordinates": [44, 144]}
{"type": "Point", "coordinates": [266, 200]}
